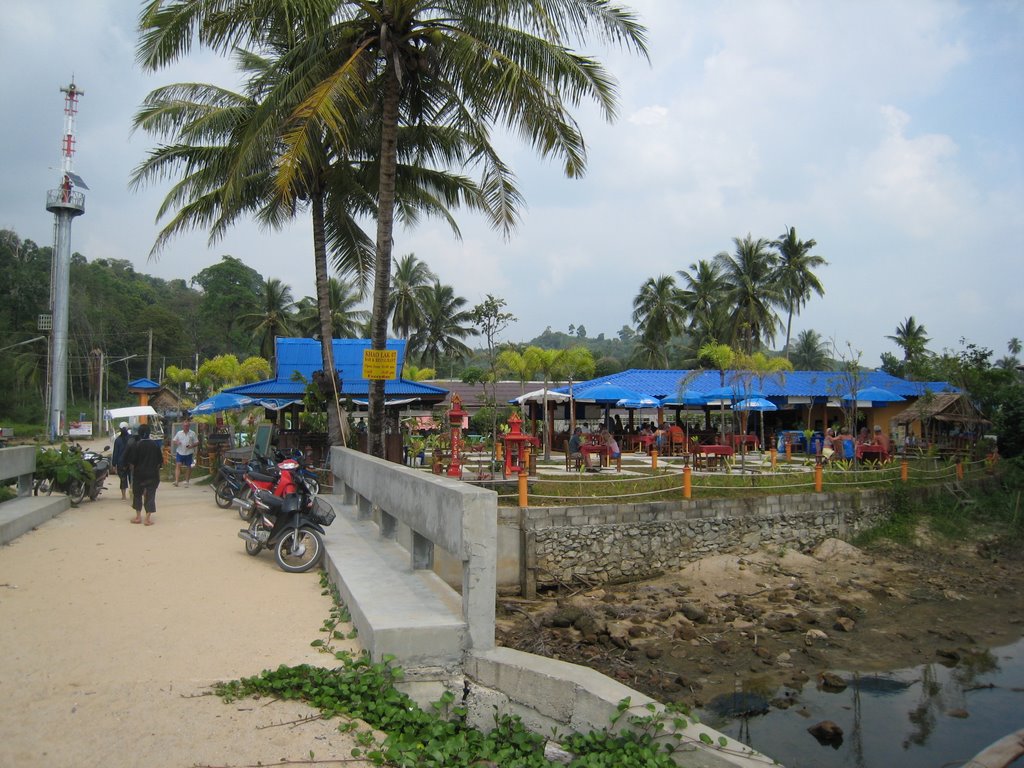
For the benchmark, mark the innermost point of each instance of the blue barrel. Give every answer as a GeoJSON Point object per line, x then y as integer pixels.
{"type": "Point", "coordinates": [817, 441]}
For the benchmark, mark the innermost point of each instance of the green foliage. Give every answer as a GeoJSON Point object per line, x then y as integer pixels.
{"type": "Point", "coordinates": [1009, 423]}
{"type": "Point", "coordinates": [62, 465]}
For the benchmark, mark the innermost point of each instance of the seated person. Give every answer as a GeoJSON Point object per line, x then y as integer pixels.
{"type": "Point", "coordinates": [882, 439]}
{"type": "Point", "coordinates": [613, 447]}
{"type": "Point", "coordinates": [575, 447]}
{"type": "Point", "coordinates": [845, 447]}
{"type": "Point", "coordinates": [828, 445]}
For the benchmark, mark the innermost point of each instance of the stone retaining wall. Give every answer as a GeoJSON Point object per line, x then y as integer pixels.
{"type": "Point", "coordinates": [614, 542]}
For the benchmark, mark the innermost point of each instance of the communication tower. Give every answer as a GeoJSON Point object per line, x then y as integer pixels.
{"type": "Point", "coordinates": [65, 203]}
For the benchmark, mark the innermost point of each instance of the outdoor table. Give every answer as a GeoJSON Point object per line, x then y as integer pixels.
{"type": "Point", "coordinates": [750, 440]}
{"type": "Point", "coordinates": [638, 443]}
{"type": "Point", "coordinates": [599, 448]}
{"type": "Point", "coordinates": [872, 452]}
{"type": "Point", "coordinates": [711, 454]}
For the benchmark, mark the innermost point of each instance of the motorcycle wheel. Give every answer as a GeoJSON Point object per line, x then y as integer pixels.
{"type": "Point", "coordinates": [246, 495]}
{"type": "Point", "coordinates": [223, 495]}
{"type": "Point", "coordinates": [299, 551]}
{"type": "Point", "coordinates": [312, 485]}
{"type": "Point", "coordinates": [76, 492]}
{"type": "Point", "coordinates": [253, 547]}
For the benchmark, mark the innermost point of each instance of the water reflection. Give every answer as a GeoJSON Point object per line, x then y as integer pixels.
{"type": "Point", "coordinates": [914, 718]}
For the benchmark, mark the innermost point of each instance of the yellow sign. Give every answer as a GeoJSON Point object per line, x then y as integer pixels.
{"type": "Point", "coordinates": [380, 364]}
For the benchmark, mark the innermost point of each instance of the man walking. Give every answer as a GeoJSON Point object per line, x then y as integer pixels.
{"type": "Point", "coordinates": [184, 447]}
{"type": "Point", "coordinates": [144, 458]}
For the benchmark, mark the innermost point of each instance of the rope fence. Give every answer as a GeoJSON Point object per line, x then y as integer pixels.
{"type": "Point", "coordinates": [675, 484]}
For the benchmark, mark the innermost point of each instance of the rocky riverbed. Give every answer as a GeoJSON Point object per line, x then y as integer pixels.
{"type": "Point", "coordinates": [771, 622]}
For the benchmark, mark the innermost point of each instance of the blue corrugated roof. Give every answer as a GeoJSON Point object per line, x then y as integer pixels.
{"type": "Point", "coordinates": [666, 385]}
{"type": "Point", "coordinates": [143, 384]}
{"type": "Point", "coordinates": [303, 356]}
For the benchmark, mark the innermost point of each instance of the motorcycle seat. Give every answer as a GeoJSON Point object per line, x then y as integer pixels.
{"type": "Point", "coordinates": [269, 500]}
{"type": "Point", "coordinates": [260, 477]}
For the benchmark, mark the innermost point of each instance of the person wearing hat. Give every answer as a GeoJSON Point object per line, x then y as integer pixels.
{"type": "Point", "coordinates": [118, 459]}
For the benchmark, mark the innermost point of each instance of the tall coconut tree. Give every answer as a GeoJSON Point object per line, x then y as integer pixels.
{"type": "Point", "coordinates": [445, 324]}
{"type": "Point", "coordinates": [275, 317]}
{"type": "Point", "coordinates": [470, 64]}
{"type": "Point", "coordinates": [411, 279]}
{"type": "Point", "coordinates": [751, 292]}
{"type": "Point", "coordinates": [229, 148]}
{"type": "Point", "coordinates": [347, 319]}
{"type": "Point", "coordinates": [658, 309]}
{"type": "Point", "coordinates": [702, 296]}
{"type": "Point", "coordinates": [912, 338]}
{"type": "Point", "coordinates": [795, 274]}
{"type": "Point", "coordinates": [811, 352]}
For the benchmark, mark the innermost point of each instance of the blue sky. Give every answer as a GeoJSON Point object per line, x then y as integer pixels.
{"type": "Point", "coordinates": [891, 133]}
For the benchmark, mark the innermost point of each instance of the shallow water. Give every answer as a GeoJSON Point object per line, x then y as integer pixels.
{"type": "Point", "coordinates": [906, 718]}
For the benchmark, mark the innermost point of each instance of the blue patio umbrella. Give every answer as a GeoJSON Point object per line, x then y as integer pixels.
{"type": "Point", "coordinates": [222, 401]}
{"type": "Point", "coordinates": [606, 394]}
{"type": "Point", "coordinates": [637, 404]}
{"type": "Point", "coordinates": [755, 404]}
{"type": "Point", "coordinates": [758, 404]}
{"type": "Point", "coordinates": [876, 395]}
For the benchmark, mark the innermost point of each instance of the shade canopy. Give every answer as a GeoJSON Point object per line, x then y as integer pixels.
{"type": "Point", "coordinates": [131, 412]}
{"type": "Point", "coordinates": [222, 401]}
{"type": "Point", "coordinates": [537, 396]}
{"type": "Point", "coordinates": [755, 404]}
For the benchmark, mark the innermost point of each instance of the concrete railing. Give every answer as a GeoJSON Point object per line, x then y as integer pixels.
{"type": "Point", "coordinates": [420, 512]}
{"type": "Point", "coordinates": [24, 513]}
{"type": "Point", "coordinates": [19, 462]}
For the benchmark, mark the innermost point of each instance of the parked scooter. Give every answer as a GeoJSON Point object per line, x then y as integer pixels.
{"type": "Point", "coordinates": [100, 470]}
{"type": "Point", "coordinates": [278, 479]}
{"type": "Point", "coordinates": [291, 524]}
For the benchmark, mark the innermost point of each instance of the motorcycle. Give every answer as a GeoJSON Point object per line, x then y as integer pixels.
{"type": "Point", "coordinates": [100, 471]}
{"type": "Point", "coordinates": [277, 479]}
{"type": "Point", "coordinates": [230, 483]}
{"type": "Point", "coordinates": [53, 474]}
{"type": "Point", "coordinates": [292, 525]}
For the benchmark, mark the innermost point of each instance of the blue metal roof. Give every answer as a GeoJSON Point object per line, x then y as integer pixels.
{"type": "Point", "coordinates": [666, 385]}
{"type": "Point", "coordinates": [143, 384]}
{"type": "Point", "coordinates": [303, 357]}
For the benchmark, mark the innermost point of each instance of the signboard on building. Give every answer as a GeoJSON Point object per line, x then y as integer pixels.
{"type": "Point", "coordinates": [380, 364]}
{"type": "Point", "coordinates": [80, 429]}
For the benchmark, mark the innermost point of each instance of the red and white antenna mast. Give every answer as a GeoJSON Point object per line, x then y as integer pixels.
{"type": "Point", "coordinates": [65, 203]}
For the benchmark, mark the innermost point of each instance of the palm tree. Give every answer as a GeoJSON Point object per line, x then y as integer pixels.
{"type": "Point", "coordinates": [347, 320]}
{"type": "Point", "coordinates": [721, 357]}
{"type": "Point", "coordinates": [751, 292]}
{"type": "Point", "coordinates": [412, 277]}
{"type": "Point", "coordinates": [703, 299]}
{"type": "Point", "coordinates": [795, 274]}
{"type": "Point", "coordinates": [445, 324]}
{"type": "Point", "coordinates": [810, 353]}
{"type": "Point", "coordinates": [469, 66]}
{"type": "Point", "coordinates": [649, 352]}
{"type": "Point", "coordinates": [229, 148]}
{"type": "Point", "coordinates": [274, 318]}
{"type": "Point", "coordinates": [658, 310]}
{"type": "Point", "coordinates": [911, 338]}
{"type": "Point", "coordinates": [546, 363]}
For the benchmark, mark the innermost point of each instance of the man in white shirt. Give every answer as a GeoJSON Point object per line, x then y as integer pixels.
{"type": "Point", "coordinates": [184, 447]}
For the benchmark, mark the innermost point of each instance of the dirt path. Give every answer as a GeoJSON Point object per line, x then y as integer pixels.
{"type": "Point", "coordinates": [112, 633]}
{"type": "Point", "coordinates": [755, 623]}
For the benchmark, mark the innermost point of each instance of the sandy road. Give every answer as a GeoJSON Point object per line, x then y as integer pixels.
{"type": "Point", "coordinates": [109, 631]}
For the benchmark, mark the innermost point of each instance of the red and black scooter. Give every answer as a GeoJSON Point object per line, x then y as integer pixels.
{"type": "Point", "coordinates": [291, 522]}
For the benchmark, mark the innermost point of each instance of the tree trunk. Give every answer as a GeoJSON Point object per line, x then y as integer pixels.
{"type": "Point", "coordinates": [385, 232]}
{"type": "Point", "coordinates": [323, 302]}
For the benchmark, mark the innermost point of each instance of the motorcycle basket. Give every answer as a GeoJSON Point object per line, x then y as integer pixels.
{"type": "Point", "coordinates": [322, 512]}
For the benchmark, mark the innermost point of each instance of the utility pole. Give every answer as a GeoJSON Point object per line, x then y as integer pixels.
{"type": "Point", "coordinates": [149, 357]}
{"type": "Point", "coordinates": [65, 203]}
